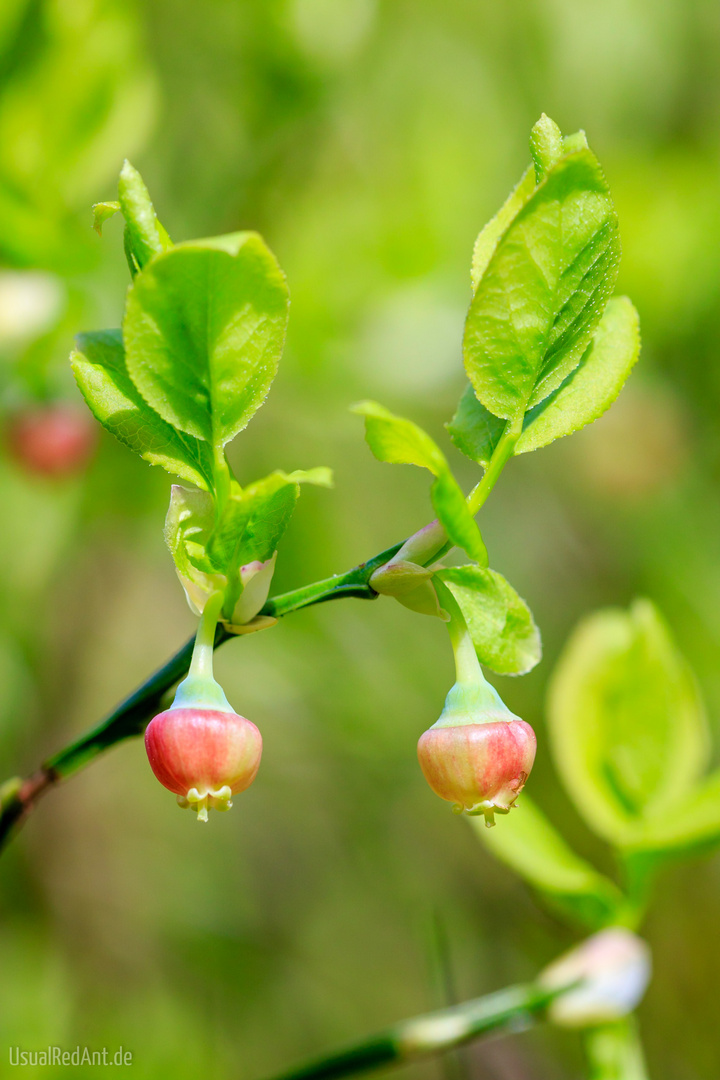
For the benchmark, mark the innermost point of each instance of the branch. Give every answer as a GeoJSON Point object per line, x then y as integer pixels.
{"type": "Point", "coordinates": [515, 1008]}
{"type": "Point", "coordinates": [18, 796]}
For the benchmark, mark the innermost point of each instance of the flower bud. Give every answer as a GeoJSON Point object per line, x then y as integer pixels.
{"type": "Point", "coordinates": [478, 755]}
{"type": "Point", "coordinates": [479, 761]}
{"type": "Point", "coordinates": [199, 748]}
{"type": "Point", "coordinates": [203, 755]}
{"type": "Point", "coordinates": [611, 969]}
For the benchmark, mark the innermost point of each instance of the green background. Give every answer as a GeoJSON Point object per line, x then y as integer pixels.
{"type": "Point", "coordinates": [368, 142]}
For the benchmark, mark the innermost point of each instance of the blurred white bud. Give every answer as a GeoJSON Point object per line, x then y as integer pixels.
{"type": "Point", "coordinates": [613, 970]}
{"type": "Point", "coordinates": [30, 303]}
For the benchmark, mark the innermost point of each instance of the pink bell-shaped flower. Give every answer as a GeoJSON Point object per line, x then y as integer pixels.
{"type": "Point", "coordinates": [478, 755]}
{"type": "Point", "coordinates": [199, 748]}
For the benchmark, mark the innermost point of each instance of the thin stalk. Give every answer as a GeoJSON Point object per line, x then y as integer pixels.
{"type": "Point", "coordinates": [500, 457]}
{"type": "Point", "coordinates": [467, 666]}
{"type": "Point", "coordinates": [201, 663]}
{"type": "Point", "coordinates": [515, 1008]}
{"type": "Point", "coordinates": [615, 1051]}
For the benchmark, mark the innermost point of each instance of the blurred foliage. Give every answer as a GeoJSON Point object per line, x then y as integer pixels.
{"type": "Point", "coordinates": [368, 140]}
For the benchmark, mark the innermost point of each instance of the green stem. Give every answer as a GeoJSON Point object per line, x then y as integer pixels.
{"type": "Point", "coordinates": [615, 1051]}
{"type": "Point", "coordinates": [511, 1009]}
{"type": "Point", "coordinates": [467, 666]}
{"type": "Point", "coordinates": [201, 664]}
{"type": "Point", "coordinates": [221, 478]}
{"type": "Point", "coordinates": [500, 457]}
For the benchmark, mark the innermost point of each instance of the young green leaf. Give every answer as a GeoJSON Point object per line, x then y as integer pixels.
{"type": "Point", "coordinates": [488, 239]}
{"type": "Point", "coordinates": [593, 386]}
{"type": "Point", "coordinates": [474, 430]}
{"type": "Point", "coordinates": [188, 527]}
{"type": "Point", "coordinates": [144, 234]}
{"type": "Point", "coordinates": [584, 396]}
{"type": "Point", "coordinates": [501, 625]}
{"type": "Point", "coordinates": [401, 442]}
{"type": "Point", "coordinates": [626, 723]}
{"type": "Point", "coordinates": [99, 367]}
{"type": "Point", "coordinates": [253, 522]}
{"type": "Point", "coordinates": [102, 212]}
{"type": "Point", "coordinates": [204, 330]}
{"type": "Point", "coordinates": [544, 289]}
{"type": "Point", "coordinates": [546, 146]}
{"type": "Point", "coordinates": [533, 848]}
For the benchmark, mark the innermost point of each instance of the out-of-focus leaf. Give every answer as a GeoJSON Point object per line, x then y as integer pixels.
{"type": "Point", "coordinates": [401, 442]}
{"type": "Point", "coordinates": [533, 848]}
{"type": "Point", "coordinates": [77, 94]}
{"type": "Point", "coordinates": [204, 330]}
{"type": "Point", "coordinates": [626, 723]}
{"type": "Point", "coordinates": [542, 293]}
{"type": "Point", "coordinates": [692, 823]}
{"type": "Point", "coordinates": [99, 367]}
{"type": "Point", "coordinates": [501, 625]}
{"type": "Point", "coordinates": [102, 212]}
{"type": "Point", "coordinates": [593, 386]}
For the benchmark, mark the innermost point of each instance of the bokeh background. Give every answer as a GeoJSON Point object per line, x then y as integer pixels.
{"type": "Point", "coordinates": [369, 140]}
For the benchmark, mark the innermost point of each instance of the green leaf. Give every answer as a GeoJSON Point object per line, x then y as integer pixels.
{"type": "Point", "coordinates": [694, 824]}
{"type": "Point", "coordinates": [204, 330]}
{"type": "Point", "coordinates": [401, 442]}
{"type": "Point", "coordinates": [594, 385]}
{"type": "Point", "coordinates": [546, 146]}
{"type": "Point", "coordinates": [501, 625]}
{"type": "Point", "coordinates": [102, 212]}
{"type": "Point", "coordinates": [474, 430]}
{"type": "Point", "coordinates": [488, 239]}
{"type": "Point", "coordinates": [253, 522]}
{"type": "Point", "coordinates": [576, 141]}
{"type": "Point", "coordinates": [98, 364]}
{"type": "Point", "coordinates": [145, 236]}
{"type": "Point", "coordinates": [188, 527]}
{"type": "Point", "coordinates": [544, 289]}
{"type": "Point", "coordinates": [626, 723]}
{"type": "Point", "coordinates": [533, 848]}
{"type": "Point", "coordinates": [584, 396]}
{"type": "Point", "coordinates": [320, 476]}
